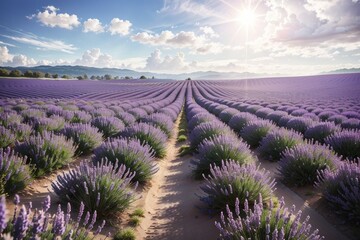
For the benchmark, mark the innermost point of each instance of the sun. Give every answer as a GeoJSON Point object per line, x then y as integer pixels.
{"type": "Point", "coordinates": [246, 17]}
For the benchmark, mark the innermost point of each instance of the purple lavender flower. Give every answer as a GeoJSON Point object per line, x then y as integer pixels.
{"type": "Point", "coordinates": [255, 131]}
{"type": "Point", "coordinates": [150, 135]}
{"type": "Point", "coordinates": [47, 152]}
{"type": "Point", "coordinates": [300, 165]}
{"type": "Point", "coordinates": [263, 112]}
{"type": "Point", "coordinates": [320, 131]}
{"type": "Point", "coordinates": [260, 223]}
{"type": "Point", "coordinates": [21, 224]}
{"type": "Point", "coordinates": [135, 156]}
{"type": "Point", "coordinates": [207, 130]}
{"type": "Point", "coordinates": [109, 126]}
{"type": "Point", "coordinates": [161, 121]}
{"type": "Point", "coordinates": [276, 116]}
{"type": "Point", "coordinates": [127, 118]}
{"type": "Point", "coordinates": [16, 174]}
{"type": "Point", "coordinates": [227, 114]}
{"type": "Point", "coordinates": [59, 227]}
{"type": "Point", "coordinates": [138, 112]}
{"type": "Point", "coordinates": [341, 189]}
{"type": "Point", "coordinates": [3, 211]}
{"type": "Point", "coordinates": [70, 187]}
{"type": "Point", "coordinates": [214, 150]}
{"type": "Point", "coordinates": [299, 124]}
{"type": "Point", "coordinates": [7, 138]}
{"type": "Point", "coordinates": [277, 141]}
{"type": "Point", "coordinates": [345, 143]}
{"type": "Point", "coordinates": [85, 137]}
{"type": "Point", "coordinates": [351, 123]}
{"type": "Point", "coordinates": [232, 180]}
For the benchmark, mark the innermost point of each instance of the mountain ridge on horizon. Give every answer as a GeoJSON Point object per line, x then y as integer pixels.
{"type": "Point", "coordinates": [78, 70]}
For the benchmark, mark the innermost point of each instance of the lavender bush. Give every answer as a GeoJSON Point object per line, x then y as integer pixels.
{"type": "Point", "coordinates": [9, 119]}
{"type": "Point", "coordinates": [277, 141]}
{"type": "Point", "coordinates": [345, 143]}
{"type": "Point", "coordinates": [127, 118]}
{"type": "Point", "coordinates": [255, 131]}
{"type": "Point", "coordinates": [47, 152]}
{"type": "Point", "coordinates": [205, 131]}
{"type": "Point", "coordinates": [214, 150]}
{"type": "Point", "coordinates": [161, 121]}
{"type": "Point", "coordinates": [150, 135]}
{"type": "Point", "coordinates": [102, 187]}
{"type": "Point", "coordinates": [300, 165]}
{"type": "Point", "coordinates": [7, 138]}
{"type": "Point", "coordinates": [320, 131]}
{"type": "Point", "coordinates": [299, 124]}
{"type": "Point", "coordinates": [259, 223]}
{"type": "Point", "coordinates": [135, 156]}
{"type": "Point", "coordinates": [21, 131]}
{"type": "Point", "coordinates": [276, 116]}
{"type": "Point", "coordinates": [351, 123]}
{"type": "Point", "coordinates": [240, 120]}
{"type": "Point", "coordinates": [40, 224]}
{"type": "Point", "coordinates": [227, 114]}
{"type": "Point", "coordinates": [341, 189]}
{"type": "Point", "coordinates": [15, 175]}
{"type": "Point", "coordinates": [54, 123]}
{"type": "Point", "coordinates": [85, 137]}
{"type": "Point", "coordinates": [108, 126]}
{"type": "Point", "coordinates": [81, 117]}
{"type": "Point", "coordinates": [232, 181]}
{"type": "Point", "coordinates": [199, 118]}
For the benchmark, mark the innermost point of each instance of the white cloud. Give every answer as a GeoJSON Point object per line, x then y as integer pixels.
{"type": "Point", "coordinates": [119, 26]}
{"type": "Point", "coordinates": [185, 39]}
{"type": "Point", "coordinates": [52, 45]}
{"type": "Point", "coordinates": [93, 25]}
{"type": "Point", "coordinates": [166, 64]}
{"type": "Point", "coordinates": [7, 44]}
{"type": "Point", "coordinates": [209, 31]}
{"type": "Point", "coordinates": [7, 59]}
{"type": "Point", "coordinates": [49, 17]}
{"type": "Point", "coordinates": [5, 55]}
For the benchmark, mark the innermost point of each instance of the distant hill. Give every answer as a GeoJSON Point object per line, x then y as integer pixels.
{"type": "Point", "coordinates": [346, 70]}
{"type": "Point", "coordinates": [75, 71]}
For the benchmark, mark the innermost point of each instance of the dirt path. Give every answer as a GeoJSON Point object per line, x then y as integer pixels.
{"type": "Point", "coordinates": [171, 202]}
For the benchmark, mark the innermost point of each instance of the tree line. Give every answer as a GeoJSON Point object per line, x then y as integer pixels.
{"type": "Point", "coordinates": [30, 74]}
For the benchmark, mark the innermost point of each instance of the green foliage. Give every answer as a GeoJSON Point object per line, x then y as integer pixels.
{"type": "Point", "coordinates": [15, 73]}
{"type": "Point", "coordinates": [138, 212]}
{"type": "Point", "coordinates": [134, 221]}
{"type": "Point", "coordinates": [4, 72]}
{"type": "Point", "coordinates": [125, 234]}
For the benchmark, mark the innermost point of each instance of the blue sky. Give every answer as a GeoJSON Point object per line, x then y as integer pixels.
{"type": "Point", "coordinates": [263, 36]}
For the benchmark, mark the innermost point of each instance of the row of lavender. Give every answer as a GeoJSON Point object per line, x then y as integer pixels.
{"type": "Point", "coordinates": [343, 141]}
{"type": "Point", "coordinates": [135, 131]}
{"type": "Point", "coordinates": [301, 163]}
{"type": "Point", "coordinates": [236, 184]}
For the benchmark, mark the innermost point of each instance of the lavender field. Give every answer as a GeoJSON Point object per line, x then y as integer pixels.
{"type": "Point", "coordinates": [155, 159]}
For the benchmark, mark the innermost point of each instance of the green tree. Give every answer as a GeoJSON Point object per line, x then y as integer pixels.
{"type": "Point", "coordinates": [142, 77]}
{"type": "Point", "coordinates": [15, 73]}
{"type": "Point", "coordinates": [85, 76]}
{"type": "Point", "coordinates": [4, 72]}
{"type": "Point", "coordinates": [28, 74]}
{"type": "Point", "coordinates": [107, 77]}
{"type": "Point", "coordinates": [65, 76]}
{"type": "Point", "coordinates": [55, 75]}
{"type": "Point", "coordinates": [80, 77]}
{"type": "Point", "coordinates": [47, 75]}
{"type": "Point", "coordinates": [92, 77]}
{"type": "Point", "coordinates": [38, 74]}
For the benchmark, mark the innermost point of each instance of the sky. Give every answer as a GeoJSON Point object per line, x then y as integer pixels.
{"type": "Point", "coordinates": [291, 37]}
